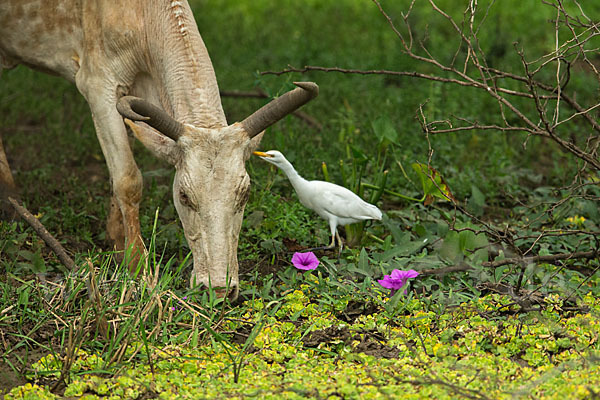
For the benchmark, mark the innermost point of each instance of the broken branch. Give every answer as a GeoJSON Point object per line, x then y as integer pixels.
{"type": "Point", "coordinates": [56, 247]}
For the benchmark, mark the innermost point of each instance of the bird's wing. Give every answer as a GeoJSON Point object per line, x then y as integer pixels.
{"type": "Point", "coordinates": [341, 202]}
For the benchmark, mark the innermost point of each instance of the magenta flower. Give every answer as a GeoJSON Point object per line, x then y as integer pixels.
{"type": "Point", "coordinates": [305, 261]}
{"type": "Point", "coordinates": [180, 302]}
{"type": "Point", "coordinates": [397, 279]}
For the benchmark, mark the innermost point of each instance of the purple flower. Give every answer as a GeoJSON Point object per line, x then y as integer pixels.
{"type": "Point", "coordinates": [397, 279]}
{"type": "Point", "coordinates": [178, 306]}
{"type": "Point", "coordinates": [305, 261]}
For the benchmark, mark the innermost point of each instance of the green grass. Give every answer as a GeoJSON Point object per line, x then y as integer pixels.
{"type": "Point", "coordinates": [516, 330]}
{"type": "Point", "coordinates": [319, 335]}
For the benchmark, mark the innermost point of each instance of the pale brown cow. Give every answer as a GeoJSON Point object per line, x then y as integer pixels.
{"type": "Point", "coordinates": [151, 49]}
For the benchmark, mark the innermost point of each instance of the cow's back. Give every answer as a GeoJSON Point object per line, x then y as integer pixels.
{"type": "Point", "coordinates": [43, 34]}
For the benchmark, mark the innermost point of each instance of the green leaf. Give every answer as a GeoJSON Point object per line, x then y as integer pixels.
{"type": "Point", "coordinates": [434, 186]}
{"type": "Point", "coordinates": [476, 202]}
{"type": "Point", "coordinates": [451, 249]}
{"type": "Point", "coordinates": [399, 235]}
{"type": "Point", "coordinates": [359, 157]}
{"type": "Point", "coordinates": [499, 272]}
{"type": "Point", "coordinates": [473, 244]}
{"type": "Point", "coordinates": [420, 230]}
{"type": "Point", "coordinates": [404, 249]}
{"type": "Point", "coordinates": [363, 260]}
{"type": "Point", "coordinates": [26, 254]}
{"type": "Point", "coordinates": [39, 265]}
{"type": "Point", "coordinates": [385, 131]}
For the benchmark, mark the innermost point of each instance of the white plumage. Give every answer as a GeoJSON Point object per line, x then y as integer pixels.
{"type": "Point", "coordinates": [336, 204]}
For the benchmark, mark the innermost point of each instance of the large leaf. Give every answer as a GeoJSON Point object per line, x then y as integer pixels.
{"type": "Point", "coordinates": [405, 249]}
{"type": "Point", "coordinates": [476, 202]}
{"type": "Point", "coordinates": [384, 129]}
{"type": "Point", "coordinates": [434, 186]}
{"type": "Point", "coordinates": [465, 244]}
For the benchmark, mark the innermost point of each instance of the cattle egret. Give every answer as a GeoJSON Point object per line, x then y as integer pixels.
{"type": "Point", "coordinates": [336, 204]}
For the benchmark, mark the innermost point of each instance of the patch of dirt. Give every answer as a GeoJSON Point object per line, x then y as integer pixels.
{"type": "Point", "coordinates": [292, 245]}
{"type": "Point", "coordinates": [327, 335]}
{"type": "Point", "coordinates": [355, 309]}
{"type": "Point", "coordinates": [11, 370]}
{"type": "Point", "coordinates": [369, 342]}
{"type": "Point", "coordinates": [518, 360]}
{"type": "Point", "coordinates": [148, 394]}
{"type": "Point", "coordinates": [376, 349]}
{"type": "Point", "coordinates": [263, 267]}
{"type": "Point", "coordinates": [241, 334]}
{"type": "Point", "coordinates": [17, 354]}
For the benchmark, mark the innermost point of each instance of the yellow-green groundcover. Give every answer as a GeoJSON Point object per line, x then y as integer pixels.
{"type": "Point", "coordinates": [470, 351]}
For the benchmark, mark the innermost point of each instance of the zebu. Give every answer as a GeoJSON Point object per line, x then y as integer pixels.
{"type": "Point", "coordinates": [151, 49]}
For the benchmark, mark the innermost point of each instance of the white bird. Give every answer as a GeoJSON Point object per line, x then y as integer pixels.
{"type": "Point", "coordinates": [336, 204]}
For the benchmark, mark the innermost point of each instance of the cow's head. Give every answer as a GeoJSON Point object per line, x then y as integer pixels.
{"type": "Point", "coordinates": [211, 184]}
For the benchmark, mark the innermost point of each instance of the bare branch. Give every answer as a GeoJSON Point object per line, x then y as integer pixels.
{"type": "Point", "coordinates": [543, 259]}
{"type": "Point", "coordinates": [487, 79]}
{"type": "Point", "coordinates": [260, 94]}
{"type": "Point", "coordinates": [515, 261]}
{"type": "Point", "coordinates": [56, 247]}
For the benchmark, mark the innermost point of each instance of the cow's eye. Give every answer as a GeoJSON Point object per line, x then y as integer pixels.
{"type": "Point", "coordinates": [185, 199]}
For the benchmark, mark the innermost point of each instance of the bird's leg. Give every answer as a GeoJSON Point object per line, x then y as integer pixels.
{"type": "Point", "coordinates": [334, 234]}
{"type": "Point", "coordinates": [331, 245]}
{"type": "Point", "coordinates": [337, 235]}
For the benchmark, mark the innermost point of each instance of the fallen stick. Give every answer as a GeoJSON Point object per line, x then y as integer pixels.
{"type": "Point", "coordinates": [462, 267]}
{"type": "Point", "coordinates": [259, 94]}
{"type": "Point", "coordinates": [56, 247]}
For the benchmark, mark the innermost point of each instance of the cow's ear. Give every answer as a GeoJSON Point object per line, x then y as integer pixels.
{"type": "Point", "coordinates": [160, 145]}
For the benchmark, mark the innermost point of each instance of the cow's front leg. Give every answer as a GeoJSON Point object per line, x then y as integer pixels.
{"type": "Point", "coordinates": [7, 183]}
{"type": "Point", "coordinates": [123, 225]}
{"type": "Point", "coordinates": [115, 230]}
{"type": "Point", "coordinates": [7, 187]}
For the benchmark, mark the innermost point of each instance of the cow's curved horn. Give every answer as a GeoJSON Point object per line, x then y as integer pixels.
{"type": "Point", "coordinates": [137, 109]}
{"type": "Point", "coordinates": [280, 107]}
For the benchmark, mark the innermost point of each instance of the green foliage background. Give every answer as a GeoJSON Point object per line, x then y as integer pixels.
{"type": "Point", "coordinates": [456, 335]}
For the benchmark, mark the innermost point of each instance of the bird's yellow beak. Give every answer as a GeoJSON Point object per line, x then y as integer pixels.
{"type": "Point", "coordinates": [261, 154]}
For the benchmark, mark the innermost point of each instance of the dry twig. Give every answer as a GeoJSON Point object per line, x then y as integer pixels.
{"type": "Point", "coordinates": [50, 240]}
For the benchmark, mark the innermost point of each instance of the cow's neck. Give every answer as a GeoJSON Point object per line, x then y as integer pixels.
{"type": "Point", "coordinates": [188, 83]}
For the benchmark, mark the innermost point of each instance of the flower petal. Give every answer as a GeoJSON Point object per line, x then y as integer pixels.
{"type": "Point", "coordinates": [387, 283]}
{"type": "Point", "coordinates": [403, 275]}
{"type": "Point", "coordinates": [396, 274]}
{"type": "Point", "coordinates": [305, 261]}
{"type": "Point", "coordinates": [411, 273]}
{"type": "Point", "coordinates": [297, 259]}
{"type": "Point", "coordinates": [397, 279]}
